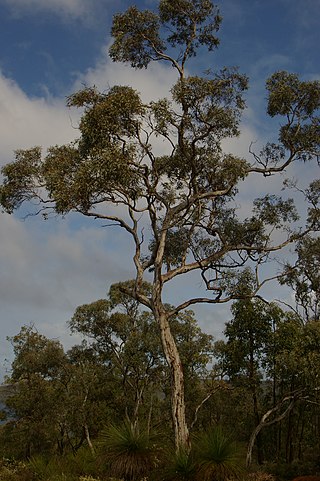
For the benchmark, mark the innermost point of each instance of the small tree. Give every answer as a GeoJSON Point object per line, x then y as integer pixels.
{"type": "Point", "coordinates": [187, 194]}
{"type": "Point", "coordinates": [38, 403]}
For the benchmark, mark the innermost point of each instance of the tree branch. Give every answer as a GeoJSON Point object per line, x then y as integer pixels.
{"type": "Point", "coordinates": [263, 422]}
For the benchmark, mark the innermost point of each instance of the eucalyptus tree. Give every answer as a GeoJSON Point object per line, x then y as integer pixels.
{"type": "Point", "coordinates": [186, 195]}
{"type": "Point", "coordinates": [297, 370]}
{"type": "Point", "coordinates": [273, 356]}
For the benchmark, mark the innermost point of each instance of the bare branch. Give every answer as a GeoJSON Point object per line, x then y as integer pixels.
{"type": "Point", "coordinates": [211, 393]}
{"type": "Point", "coordinates": [263, 422]}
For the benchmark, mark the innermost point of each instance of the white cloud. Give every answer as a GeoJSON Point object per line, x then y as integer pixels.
{"type": "Point", "coordinates": [54, 266]}
{"type": "Point", "coordinates": [25, 122]}
{"type": "Point", "coordinates": [76, 9]}
{"type": "Point", "coordinates": [153, 83]}
{"type": "Point", "coordinates": [48, 268]}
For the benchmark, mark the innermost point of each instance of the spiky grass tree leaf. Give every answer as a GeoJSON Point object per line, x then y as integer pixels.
{"type": "Point", "coordinates": [218, 456]}
{"type": "Point", "coordinates": [129, 451]}
{"type": "Point", "coordinates": [182, 466]}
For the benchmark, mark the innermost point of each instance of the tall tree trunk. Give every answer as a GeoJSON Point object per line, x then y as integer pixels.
{"type": "Point", "coordinates": [170, 350]}
{"type": "Point", "coordinates": [181, 431]}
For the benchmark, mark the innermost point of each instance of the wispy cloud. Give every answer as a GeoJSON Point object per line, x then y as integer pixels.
{"type": "Point", "coordinates": [67, 9]}
{"type": "Point", "coordinates": [25, 121]}
{"type": "Point", "coordinates": [153, 83]}
{"type": "Point", "coordinates": [47, 269]}
{"type": "Point", "coordinates": [304, 13]}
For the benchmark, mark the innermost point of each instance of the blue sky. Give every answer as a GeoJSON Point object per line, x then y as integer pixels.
{"type": "Point", "coordinates": [48, 49]}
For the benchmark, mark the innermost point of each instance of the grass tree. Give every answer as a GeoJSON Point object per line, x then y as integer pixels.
{"type": "Point", "coordinates": [218, 457]}
{"type": "Point", "coordinates": [128, 451]}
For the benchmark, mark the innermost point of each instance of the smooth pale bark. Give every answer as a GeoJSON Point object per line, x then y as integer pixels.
{"type": "Point", "coordinates": [87, 434]}
{"type": "Point", "coordinates": [181, 431]}
{"type": "Point", "coordinates": [263, 423]}
{"type": "Point", "coordinates": [170, 350]}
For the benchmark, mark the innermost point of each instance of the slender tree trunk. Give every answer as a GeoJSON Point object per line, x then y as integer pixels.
{"type": "Point", "coordinates": [264, 422]}
{"type": "Point", "coordinates": [279, 441]}
{"type": "Point", "coordinates": [289, 455]}
{"type": "Point", "coordinates": [87, 435]}
{"type": "Point", "coordinates": [289, 446]}
{"type": "Point", "coordinates": [252, 377]}
{"type": "Point", "coordinates": [139, 393]}
{"type": "Point", "coordinates": [171, 353]}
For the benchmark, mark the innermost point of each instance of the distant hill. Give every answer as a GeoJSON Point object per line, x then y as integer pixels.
{"type": "Point", "coordinates": [6, 390]}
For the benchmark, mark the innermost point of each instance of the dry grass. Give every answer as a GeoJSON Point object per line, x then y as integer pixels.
{"type": "Point", "coordinates": [261, 476]}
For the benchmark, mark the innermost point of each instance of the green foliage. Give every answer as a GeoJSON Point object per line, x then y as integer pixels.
{"type": "Point", "coordinates": [218, 457]}
{"type": "Point", "coordinates": [304, 278]}
{"type": "Point", "coordinates": [126, 340]}
{"type": "Point", "coordinates": [74, 467]}
{"type": "Point", "coordinates": [37, 400]}
{"type": "Point", "coordinates": [44, 469]}
{"type": "Point", "coordinates": [273, 210]}
{"type": "Point", "coordinates": [181, 466]}
{"type": "Point", "coordinates": [20, 177]}
{"type": "Point", "coordinates": [128, 450]}
{"type": "Point", "coordinates": [288, 92]}
{"type": "Point", "coordinates": [184, 17]}
{"type": "Point", "coordinates": [213, 456]}
{"type": "Point", "coordinates": [54, 400]}
{"type": "Point", "coordinates": [243, 354]}
{"type": "Point", "coordinates": [35, 354]}
{"type": "Point", "coordinates": [137, 33]}
{"type": "Point", "coordinates": [299, 101]}
{"type": "Point", "coordinates": [136, 36]}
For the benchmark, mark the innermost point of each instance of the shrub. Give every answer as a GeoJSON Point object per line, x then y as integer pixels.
{"type": "Point", "coordinates": [11, 470]}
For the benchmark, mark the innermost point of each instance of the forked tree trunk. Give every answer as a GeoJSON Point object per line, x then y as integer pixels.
{"type": "Point", "coordinates": [171, 353]}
